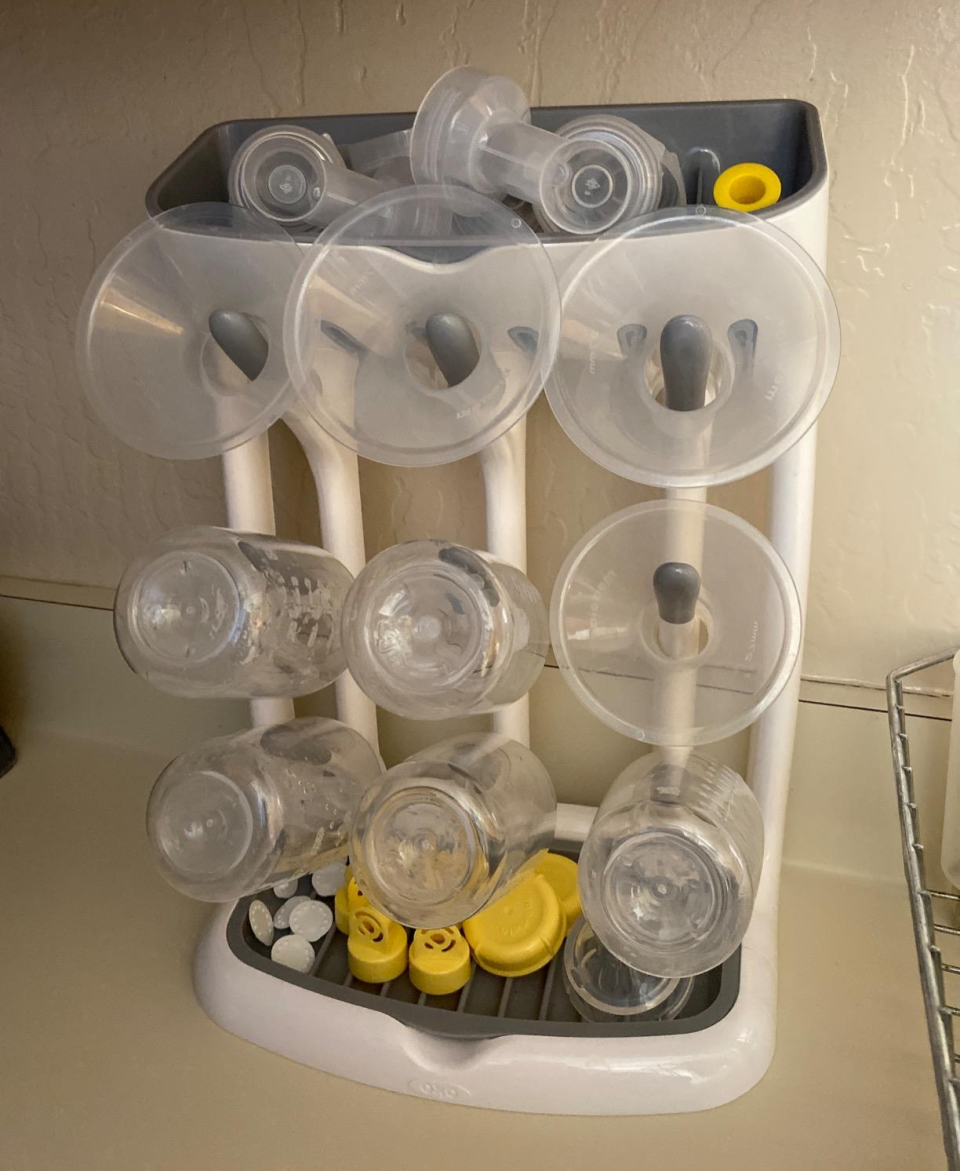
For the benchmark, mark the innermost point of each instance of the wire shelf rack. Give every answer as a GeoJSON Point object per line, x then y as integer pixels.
{"type": "Point", "coordinates": [927, 907]}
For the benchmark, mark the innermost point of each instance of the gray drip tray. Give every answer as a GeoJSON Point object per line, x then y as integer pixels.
{"type": "Point", "coordinates": [488, 1006]}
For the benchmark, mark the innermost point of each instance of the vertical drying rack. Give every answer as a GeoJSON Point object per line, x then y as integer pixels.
{"type": "Point", "coordinates": [518, 1045]}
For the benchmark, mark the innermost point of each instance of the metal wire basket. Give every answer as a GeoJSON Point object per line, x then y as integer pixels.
{"type": "Point", "coordinates": [926, 929]}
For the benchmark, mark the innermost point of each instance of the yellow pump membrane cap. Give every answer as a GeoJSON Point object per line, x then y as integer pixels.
{"type": "Point", "coordinates": [348, 898]}
{"type": "Point", "coordinates": [747, 187]}
{"type": "Point", "coordinates": [376, 947]}
{"type": "Point", "coordinates": [439, 960]}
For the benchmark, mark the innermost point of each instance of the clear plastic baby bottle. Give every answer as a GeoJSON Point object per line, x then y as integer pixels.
{"type": "Point", "coordinates": [210, 612]}
{"type": "Point", "coordinates": [256, 808]}
{"type": "Point", "coordinates": [441, 835]}
{"type": "Point", "coordinates": [431, 629]}
{"type": "Point", "coordinates": [669, 871]}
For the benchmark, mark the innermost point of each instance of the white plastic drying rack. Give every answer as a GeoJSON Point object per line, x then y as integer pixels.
{"type": "Point", "coordinates": [572, 1070]}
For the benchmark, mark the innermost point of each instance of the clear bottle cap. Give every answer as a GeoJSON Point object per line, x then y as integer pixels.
{"type": "Point", "coordinates": [607, 635]}
{"type": "Point", "coordinates": [647, 159]}
{"type": "Point", "coordinates": [150, 366]}
{"type": "Point", "coordinates": [357, 316]}
{"type": "Point", "coordinates": [603, 988]}
{"type": "Point", "coordinates": [773, 336]}
{"type": "Point", "coordinates": [279, 172]}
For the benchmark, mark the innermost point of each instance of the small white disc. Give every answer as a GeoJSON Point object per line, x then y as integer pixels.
{"type": "Point", "coordinates": [328, 879]}
{"type": "Point", "coordinates": [312, 920]}
{"type": "Point", "coordinates": [283, 890]}
{"type": "Point", "coordinates": [281, 920]}
{"type": "Point", "coordinates": [293, 951]}
{"type": "Point", "coordinates": [261, 922]}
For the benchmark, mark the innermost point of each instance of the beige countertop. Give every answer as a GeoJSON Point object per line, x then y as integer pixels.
{"type": "Point", "coordinates": [110, 1065]}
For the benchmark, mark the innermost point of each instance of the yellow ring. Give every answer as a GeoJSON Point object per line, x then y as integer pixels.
{"type": "Point", "coordinates": [746, 187]}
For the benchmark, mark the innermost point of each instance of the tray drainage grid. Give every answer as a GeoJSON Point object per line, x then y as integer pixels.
{"type": "Point", "coordinates": [488, 1005]}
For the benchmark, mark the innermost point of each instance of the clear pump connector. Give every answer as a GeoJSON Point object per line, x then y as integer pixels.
{"type": "Point", "coordinates": [296, 178]}
{"type": "Point", "coordinates": [669, 871]}
{"type": "Point", "coordinates": [432, 629]}
{"type": "Point", "coordinates": [474, 128]}
{"type": "Point", "coordinates": [675, 622]}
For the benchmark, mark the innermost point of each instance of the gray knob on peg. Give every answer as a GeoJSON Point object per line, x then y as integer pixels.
{"type": "Point", "coordinates": [240, 340]}
{"type": "Point", "coordinates": [676, 586]}
{"type": "Point", "coordinates": [686, 347]}
{"type": "Point", "coordinates": [453, 347]}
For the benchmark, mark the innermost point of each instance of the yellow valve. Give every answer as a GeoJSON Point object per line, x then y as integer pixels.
{"type": "Point", "coordinates": [519, 933]}
{"type": "Point", "coordinates": [746, 187]}
{"type": "Point", "coordinates": [439, 960]}
{"type": "Point", "coordinates": [561, 873]}
{"type": "Point", "coordinates": [376, 946]}
{"type": "Point", "coordinates": [348, 898]}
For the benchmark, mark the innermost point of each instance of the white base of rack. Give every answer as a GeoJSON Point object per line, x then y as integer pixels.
{"type": "Point", "coordinates": [529, 1074]}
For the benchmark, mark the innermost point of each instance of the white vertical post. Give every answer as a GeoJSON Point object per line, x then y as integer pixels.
{"type": "Point", "coordinates": [504, 468]}
{"type": "Point", "coordinates": [336, 473]}
{"type": "Point", "coordinates": [248, 488]}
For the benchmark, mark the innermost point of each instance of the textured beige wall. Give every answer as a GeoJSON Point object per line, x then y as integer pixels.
{"type": "Point", "coordinates": [97, 97]}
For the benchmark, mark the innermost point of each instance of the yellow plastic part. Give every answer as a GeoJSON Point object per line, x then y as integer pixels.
{"type": "Point", "coordinates": [348, 898]}
{"type": "Point", "coordinates": [746, 187]}
{"type": "Point", "coordinates": [376, 946]}
{"type": "Point", "coordinates": [561, 873]}
{"type": "Point", "coordinates": [519, 933]}
{"type": "Point", "coordinates": [439, 960]}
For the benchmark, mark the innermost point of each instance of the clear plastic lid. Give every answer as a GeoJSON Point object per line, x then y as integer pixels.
{"type": "Point", "coordinates": [685, 682]}
{"type": "Point", "coordinates": [474, 128]}
{"type": "Point", "coordinates": [359, 321]}
{"type": "Point", "coordinates": [603, 988]}
{"type": "Point", "coordinates": [767, 321]}
{"type": "Point", "coordinates": [655, 176]}
{"type": "Point", "coordinates": [149, 363]}
{"type": "Point", "coordinates": [279, 172]}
